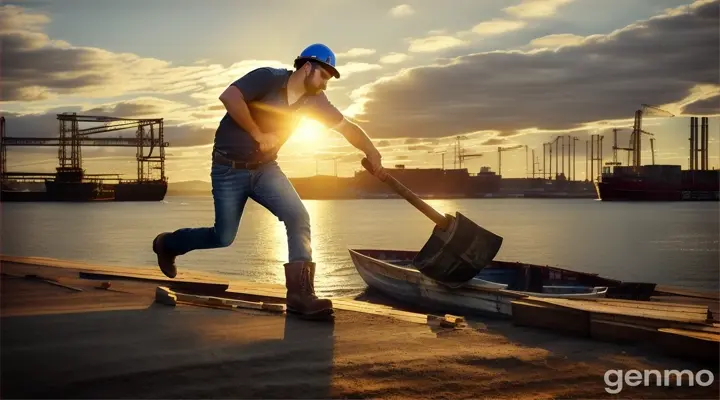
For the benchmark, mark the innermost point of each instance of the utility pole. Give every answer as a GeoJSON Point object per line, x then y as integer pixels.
{"type": "Point", "coordinates": [499, 160]}
{"type": "Point", "coordinates": [615, 146]}
{"type": "Point", "coordinates": [652, 149]}
{"type": "Point", "coordinates": [587, 159]}
{"type": "Point", "coordinates": [592, 158]}
{"type": "Point", "coordinates": [544, 167]}
{"type": "Point", "coordinates": [533, 163]}
{"type": "Point", "coordinates": [557, 153]}
{"type": "Point", "coordinates": [600, 149]}
{"type": "Point", "coordinates": [575, 139]}
{"type": "Point", "coordinates": [550, 147]}
{"type": "Point", "coordinates": [562, 155]}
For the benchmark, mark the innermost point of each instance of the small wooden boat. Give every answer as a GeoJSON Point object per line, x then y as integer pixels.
{"type": "Point", "coordinates": [392, 273]}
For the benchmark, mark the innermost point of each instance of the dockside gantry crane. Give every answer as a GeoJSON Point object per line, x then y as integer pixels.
{"type": "Point", "coordinates": [148, 136]}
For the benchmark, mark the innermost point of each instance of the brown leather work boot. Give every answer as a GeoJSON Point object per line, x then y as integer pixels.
{"type": "Point", "coordinates": [301, 299]}
{"type": "Point", "coordinates": [166, 260]}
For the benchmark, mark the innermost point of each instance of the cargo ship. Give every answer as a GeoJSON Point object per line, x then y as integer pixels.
{"type": "Point", "coordinates": [73, 185]}
{"type": "Point", "coordinates": [149, 190]}
{"type": "Point", "coordinates": [70, 183]}
{"type": "Point", "coordinates": [657, 183]}
{"type": "Point", "coordinates": [439, 183]}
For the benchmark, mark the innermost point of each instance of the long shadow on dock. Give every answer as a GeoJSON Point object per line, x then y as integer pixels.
{"type": "Point", "coordinates": [562, 345]}
{"type": "Point", "coordinates": [165, 352]}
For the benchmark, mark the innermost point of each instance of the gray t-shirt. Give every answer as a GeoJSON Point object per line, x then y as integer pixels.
{"type": "Point", "coordinates": [265, 91]}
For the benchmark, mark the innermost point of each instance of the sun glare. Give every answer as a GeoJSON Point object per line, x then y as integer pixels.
{"type": "Point", "coordinates": [308, 131]}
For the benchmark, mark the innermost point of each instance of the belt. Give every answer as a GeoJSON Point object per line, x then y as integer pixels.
{"type": "Point", "coordinates": [222, 160]}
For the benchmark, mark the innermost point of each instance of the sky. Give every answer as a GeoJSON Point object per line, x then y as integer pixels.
{"type": "Point", "coordinates": [419, 76]}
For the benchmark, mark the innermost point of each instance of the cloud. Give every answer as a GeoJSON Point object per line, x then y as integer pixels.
{"type": "Point", "coordinates": [403, 10]}
{"type": "Point", "coordinates": [35, 68]}
{"type": "Point", "coordinates": [497, 27]}
{"type": "Point", "coordinates": [557, 40]}
{"type": "Point", "coordinates": [356, 52]}
{"type": "Point", "coordinates": [494, 142]}
{"type": "Point", "coordinates": [606, 77]}
{"type": "Point", "coordinates": [440, 39]}
{"type": "Point", "coordinates": [144, 107]}
{"type": "Point", "coordinates": [356, 67]}
{"type": "Point", "coordinates": [393, 58]}
{"type": "Point", "coordinates": [435, 43]}
{"type": "Point", "coordinates": [34, 125]}
{"type": "Point", "coordinates": [46, 124]}
{"type": "Point", "coordinates": [13, 18]}
{"type": "Point", "coordinates": [536, 8]}
{"type": "Point", "coordinates": [709, 106]}
{"type": "Point", "coordinates": [189, 135]}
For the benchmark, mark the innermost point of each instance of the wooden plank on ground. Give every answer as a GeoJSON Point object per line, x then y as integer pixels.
{"type": "Point", "coordinates": [93, 271]}
{"type": "Point", "coordinates": [712, 305]}
{"type": "Point", "coordinates": [592, 306]}
{"type": "Point", "coordinates": [620, 332]}
{"type": "Point", "coordinates": [697, 308]}
{"type": "Point", "coordinates": [275, 293]}
{"type": "Point", "coordinates": [689, 344]}
{"type": "Point", "coordinates": [710, 328]}
{"type": "Point", "coordinates": [168, 296]}
{"type": "Point", "coordinates": [548, 316]}
{"type": "Point", "coordinates": [377, 309]}
{"type": "Point", "coordinates": [713, 337]}
{"type": "Point", "coordinates": [175, 283]}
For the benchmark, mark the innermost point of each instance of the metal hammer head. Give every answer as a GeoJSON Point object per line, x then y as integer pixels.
{"type": "Point", "coordinates": [457, 254]}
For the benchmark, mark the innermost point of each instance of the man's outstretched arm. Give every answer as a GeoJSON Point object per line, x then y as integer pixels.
{"type": "Point", "coordinates": [357, 137]}
{"type": "Point", "coordinates": [322, 110]}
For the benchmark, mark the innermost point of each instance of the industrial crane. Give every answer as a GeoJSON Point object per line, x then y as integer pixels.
{"type": "Point", "coordinates": [646, 109]}
{"type": "Point", "coordinates": [462, 157]}
{"type": "Point", "coordinates": [549, 146]}
{"type": "Point", "coordinates": [630, 149]}
{"type": "Point", "coordinates": [460, 152]}
{"type": "Point", "coordinates": [616, 147]}
{"type": "Point", "coordinates": [574, 139]}
{"type": "Point", "coordinates": [101, 142]}
{"type": "Point", "coordinates": [500, 150]}
{"type": "Point", "coordinates": [442, 155]}
{"type": "Point", "coordinates": [3, 149]}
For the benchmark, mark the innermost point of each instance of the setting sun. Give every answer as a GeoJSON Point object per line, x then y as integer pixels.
{"type": "Point", "coordinates": [308, 131]}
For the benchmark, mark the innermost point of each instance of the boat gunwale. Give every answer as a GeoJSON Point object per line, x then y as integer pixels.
{"type": "Point", "coordinates": [416, 278]}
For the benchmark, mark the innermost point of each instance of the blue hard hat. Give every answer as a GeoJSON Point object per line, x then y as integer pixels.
{"type": "Point", "coordinates": [321, 54]}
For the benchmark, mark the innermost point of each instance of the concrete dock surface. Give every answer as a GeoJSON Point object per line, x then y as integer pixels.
{"type": "Point", "coordinates": [80, 341]}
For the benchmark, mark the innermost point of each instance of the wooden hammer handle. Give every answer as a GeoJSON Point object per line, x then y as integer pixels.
{"type": "Point", "coordinates": [411, 197]}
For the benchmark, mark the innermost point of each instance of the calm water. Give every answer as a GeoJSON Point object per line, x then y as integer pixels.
{"type": "Point", "coordinates": [667, 243]}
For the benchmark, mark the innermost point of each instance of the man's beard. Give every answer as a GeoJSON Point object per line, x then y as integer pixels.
{"type": "Point", "coordinates": [310, 88]}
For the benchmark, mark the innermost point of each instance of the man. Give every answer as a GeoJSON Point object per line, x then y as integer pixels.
{"type": "Point", "coordinates": [263, 107]}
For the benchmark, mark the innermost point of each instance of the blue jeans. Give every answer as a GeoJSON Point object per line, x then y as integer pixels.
{"type": "Point", "coordinates": [231, 188]}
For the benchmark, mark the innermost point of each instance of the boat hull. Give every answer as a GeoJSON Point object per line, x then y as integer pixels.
{"type": "Point", "coordinates": [390, 273]}
{"type": "Point", "coordinates": [609, 191]}
{"type": "Point", "coordinates": [409, 287]}
{"type": "Point", "coordinates": [658, 183]}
